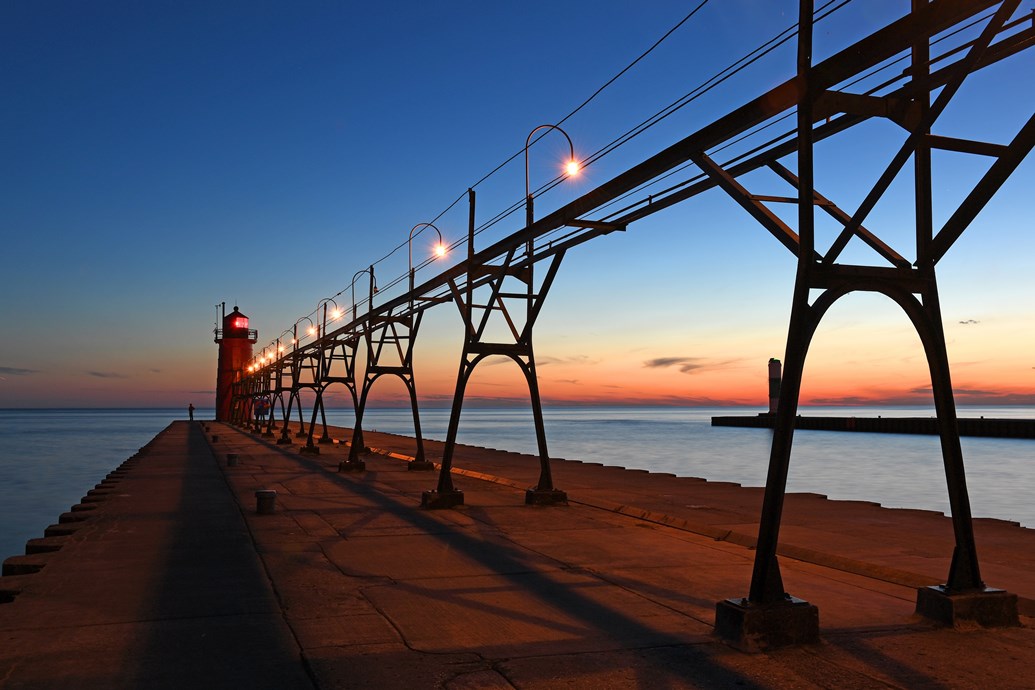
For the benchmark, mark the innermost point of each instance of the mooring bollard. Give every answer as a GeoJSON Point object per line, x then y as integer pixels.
{"type": "Point", "coordinates": [231, 459]}
{"type": "Point", "coordinates": [265, 501]}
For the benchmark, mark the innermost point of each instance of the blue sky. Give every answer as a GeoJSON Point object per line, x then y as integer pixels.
{"type": "Point", "coordinates": [157, 158]}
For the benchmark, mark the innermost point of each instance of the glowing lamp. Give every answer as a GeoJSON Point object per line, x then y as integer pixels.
{"type": "Point", "coordinates": [572, 168]}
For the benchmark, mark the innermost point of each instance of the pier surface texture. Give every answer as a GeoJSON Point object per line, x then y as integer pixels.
{"type": "Point", "coordinates": [174, 573]}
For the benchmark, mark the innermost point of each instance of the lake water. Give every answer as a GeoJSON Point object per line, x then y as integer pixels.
{"type": "Point", "coordinates": [50, 458]}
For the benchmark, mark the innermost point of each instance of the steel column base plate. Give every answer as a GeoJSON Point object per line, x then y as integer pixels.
{"type": "Point", "coordinates": [355, 466]}
{"type": "Point", "coordinates": [268, 434]}
{"type": "Point", "coordinates": [545, 497]}
{"type": "Point", "coordinates": [309, 450]}
{"type": "Point", "coordinates": [420, 466]}
{"type": "Point", "coordinates": [325, 440]}
{"type": "Point", "coordinates": [284, 441]}
{"type": "Point", "coordinates": [301, 434]}
{"type": "Point", "coordinates": [434, 500]}
{"type": "Point", "coordinates": [991, 608]}
{"type": "Point", "coordinates": [760, 627]}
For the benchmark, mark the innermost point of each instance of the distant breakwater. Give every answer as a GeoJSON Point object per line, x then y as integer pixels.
{"type": "Point", "coordinates": [968, 426]}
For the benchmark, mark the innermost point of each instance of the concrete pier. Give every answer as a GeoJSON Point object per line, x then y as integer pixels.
{"type": "Point", "coordinates": [169, 576]}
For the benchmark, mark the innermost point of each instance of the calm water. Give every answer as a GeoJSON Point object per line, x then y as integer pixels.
{"type": "Point", "coordinates": [50, 458]}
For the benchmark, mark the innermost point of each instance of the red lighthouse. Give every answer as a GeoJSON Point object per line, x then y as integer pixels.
{"type": "Point", "coordinates": [235, 350]}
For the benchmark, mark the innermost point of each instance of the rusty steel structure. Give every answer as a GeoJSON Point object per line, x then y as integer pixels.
{"type": "Point", "coordinates": [499, 283]}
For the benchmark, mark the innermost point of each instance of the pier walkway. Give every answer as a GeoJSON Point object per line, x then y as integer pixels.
{"type": "Point", "coordinates": [172, 579]}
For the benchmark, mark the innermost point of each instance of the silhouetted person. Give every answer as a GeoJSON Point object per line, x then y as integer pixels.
{"type": "Point", "coordinates": [190, 411]}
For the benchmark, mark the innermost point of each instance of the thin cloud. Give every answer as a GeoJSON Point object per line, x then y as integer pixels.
{"type": "Point", "coordinates": [968, 322]}
{"type": "Point", "coordinates": [107, 374]}
{"type": "Point", "coordinates": [687, 365]}
{"type": "Point", "coordinates": [574, 359]}
{"type": "Point", "coordinates": [17, 371]}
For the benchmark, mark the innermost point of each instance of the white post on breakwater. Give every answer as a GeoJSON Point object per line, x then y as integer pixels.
{"type": "Point", "coordinates": [774, 384]}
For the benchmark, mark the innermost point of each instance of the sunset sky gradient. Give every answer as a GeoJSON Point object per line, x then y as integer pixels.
{"type": "Point", "coordinates": [158, 158]}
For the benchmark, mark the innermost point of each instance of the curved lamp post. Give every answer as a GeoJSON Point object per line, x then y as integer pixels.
{"type": "Point", "coordinates": [280, 345]}
{"type": "Point", "coordinates": [440, 248]}
{"type": "Point", "coordinates": [571, 168]}
{"type": "Point", "coordinates": [373, 288]}
{"type": "Point", "coordinates": [294, 330]}
{"type": "Point", "coordinates": [336, 313]}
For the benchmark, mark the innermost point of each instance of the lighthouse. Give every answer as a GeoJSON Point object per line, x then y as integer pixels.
{"type": "Point", "coordinates": [235, 341]}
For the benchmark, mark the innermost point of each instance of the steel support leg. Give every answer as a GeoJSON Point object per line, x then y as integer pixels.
{"type": "Point", "coordinates": [964, 596]}
{"type": "Point", "coordinates": [769, 616]}
{"type": "Point", "coordinates": [544, 492]}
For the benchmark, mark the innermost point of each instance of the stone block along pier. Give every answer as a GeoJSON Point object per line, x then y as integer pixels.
{"type": "Point", "coordinates": [182, 568]}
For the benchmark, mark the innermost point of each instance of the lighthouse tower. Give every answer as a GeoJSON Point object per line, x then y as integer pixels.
{"type": "Point", "coordinates": [235, 350]}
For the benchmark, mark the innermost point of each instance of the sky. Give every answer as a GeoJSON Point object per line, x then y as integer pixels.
{"type": "Point", "coordinates": [160, 158]}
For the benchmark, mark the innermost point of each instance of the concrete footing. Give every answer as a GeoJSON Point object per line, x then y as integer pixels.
{"type": "Point", "coordinates": [990, 608]}
{"type": "Point", "coordinates": [284, 441]}
{"type": "Point", "coordinates": [758, 627]}
{"type": "Point", "coordinates": [326, 440]}
{"type": "Point", "coordinates": [420, 466]}
{"type": "Point", "coordinates": [545, 497]}
{"type": "Point", "coordinates": [309, 450]}
{"type": "Point", "coordinates": [435, 500]}
{"type": "Point", "coordinates": [355, 466]}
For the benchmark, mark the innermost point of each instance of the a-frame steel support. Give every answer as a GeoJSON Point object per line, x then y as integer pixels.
{"type": "Point", "coordinates": [389, 340]}
{"type": "Point", "coordinates": [493, 279]}
{"type": "Point", "coordinates": [769, 616]}
{"type": "Point", "coordinates": [337, 364]}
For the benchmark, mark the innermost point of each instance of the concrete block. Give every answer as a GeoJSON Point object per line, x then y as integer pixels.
{"type": "Point", "coordinates": [551, 497]}
{"type": "Point", "coordinates": [60, 530]}
{"type": "Point", "coordinates": [759, 627]}
{"type": "Point", "coordinates": [435, 500]}
{"type": "Point", "coordinates": [22, 565]}
{"type": "Point", "coordinates": [44, 545]}
{"type": "Point", "coordinates": [990, 608]}
{"type": "Point", "coordinates": [422, 466]}
{"type": "Point", "coordinates": [266, 501]}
